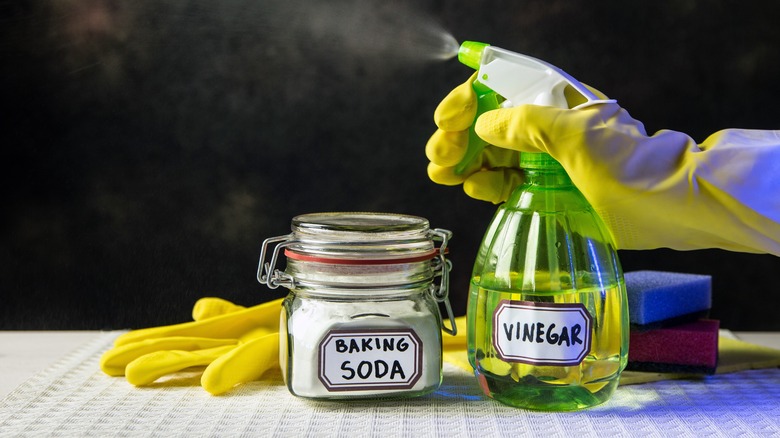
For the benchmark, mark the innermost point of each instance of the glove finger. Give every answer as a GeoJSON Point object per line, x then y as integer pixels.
{"type": "Point", "coordinates": [209, 307]}
{"type": "Point", "coordinates": [150, 367]}
{"type": "Point", "coordinates": [246, 363]}
{"type": "Point", "coordinates": [493, 185]}
{"type": "Point", "coordinates": [114, 361]}
{"type": "Point", "coordinates": [446, 148]}
{"type": "Point", "coordinates": [533, 128]}
{"type": "Point", "coordinates": [258, 333]}
{"type": "Point", "coordinates": [230, 325]}
{"type": "Point", "coordinates": [523, 128]}
{"type": "Point", "coordinates": [445, 175]}
{"type": "Point", "coordinates": [493, 158]}
{"type": "Point", "coordinates": [456, 112]}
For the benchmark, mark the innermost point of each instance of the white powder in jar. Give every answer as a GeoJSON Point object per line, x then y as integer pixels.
{"type": "Point", "coordinates": [343, 349]}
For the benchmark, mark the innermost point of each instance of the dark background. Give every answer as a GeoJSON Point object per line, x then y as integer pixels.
{"type": "Point", "coordinates": [150, 146]}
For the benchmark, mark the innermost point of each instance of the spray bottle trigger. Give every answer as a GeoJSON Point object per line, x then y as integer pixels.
{"type": "Point", "coordinates": [487, 100]}
{"type": "Point", "coordinates": [554, 97]}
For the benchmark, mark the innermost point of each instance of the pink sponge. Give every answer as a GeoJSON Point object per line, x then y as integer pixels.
{"type": "Point", "coordinates": [686, 348]}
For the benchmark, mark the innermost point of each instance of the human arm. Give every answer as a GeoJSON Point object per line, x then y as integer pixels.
{"type": "Point", "coordinates": [652, 191]}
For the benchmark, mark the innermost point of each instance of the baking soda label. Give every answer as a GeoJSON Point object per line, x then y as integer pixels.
{"type": "Point", "coordinates": [544, 334]}
{"type": "Point", "coordinates": [356, 360]}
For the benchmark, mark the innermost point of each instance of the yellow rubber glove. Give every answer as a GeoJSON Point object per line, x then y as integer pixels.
{"type": "Point", "coordinates": [663, 190]}
{"type": "Point", "coordinates": [236, 344]}
{"type": "Point", "coordinates": [493, 175]}
{"type": "Point", "coordinates": [454, 347]}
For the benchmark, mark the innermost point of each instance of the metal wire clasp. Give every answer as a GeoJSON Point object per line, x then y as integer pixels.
{"type": "Point", "coordinates": [267, 273]}
{"type": "Point", "coordinates": [441, 268]}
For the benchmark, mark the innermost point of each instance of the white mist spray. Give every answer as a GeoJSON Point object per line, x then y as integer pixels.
{"type": "Point", "coordinates": [371, 30]}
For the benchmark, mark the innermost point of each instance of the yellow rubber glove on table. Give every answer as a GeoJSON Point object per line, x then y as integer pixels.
{"type": "Point", "coordinates": [234, 343]}
{"type": "Point", "coordinates": [652, 191]}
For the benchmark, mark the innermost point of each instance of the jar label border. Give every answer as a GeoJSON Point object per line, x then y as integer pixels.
{"type": "Point", "coordinates": [544, 307]}
{"type": "Point", "coordinates": [372, 332]}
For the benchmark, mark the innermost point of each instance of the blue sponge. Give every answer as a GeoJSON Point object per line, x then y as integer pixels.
{"type": "Point", "coordinates": [656, 297]}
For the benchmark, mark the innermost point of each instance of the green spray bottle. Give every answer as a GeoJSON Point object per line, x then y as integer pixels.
{"type": "Point", "coordinates": [547, 308]}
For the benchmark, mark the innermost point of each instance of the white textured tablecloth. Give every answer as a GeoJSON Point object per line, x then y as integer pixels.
{"type": "Point", "coordinates": [74, 398]}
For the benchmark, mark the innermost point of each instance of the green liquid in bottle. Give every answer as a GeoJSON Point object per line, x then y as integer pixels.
{"type": "Point", "coordinates": [547, 254]}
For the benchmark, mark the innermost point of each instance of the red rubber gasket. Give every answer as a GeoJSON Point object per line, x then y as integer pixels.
{"type": "Point", "coordinates": [334, 261]}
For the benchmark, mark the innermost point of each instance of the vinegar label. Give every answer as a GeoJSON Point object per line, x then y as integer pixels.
{"type": "Point", "coordinates": [545, 334]}
{"type": "Point", "coordinates": [370, 359]}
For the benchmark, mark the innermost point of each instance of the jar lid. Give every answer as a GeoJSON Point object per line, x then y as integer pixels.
{"type": "Point", "coordinates": [360, 238]}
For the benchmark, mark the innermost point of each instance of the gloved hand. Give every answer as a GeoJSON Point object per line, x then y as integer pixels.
{"type": "Point", "coordinates": [236, 344]}
{"type": "Point", "coordinates": [493, 175]}
{"type": "Point", "coordinates": [663, 190]}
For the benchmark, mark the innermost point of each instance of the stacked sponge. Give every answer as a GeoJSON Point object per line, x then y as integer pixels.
{"type": "Point", "coordinates": [669, 331]}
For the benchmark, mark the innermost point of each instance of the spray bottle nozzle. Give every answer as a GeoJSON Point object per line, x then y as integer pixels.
{"type": "Point", "coordinates": [470, 53]}
{"type": "Point", "coordinates": [509, 79]}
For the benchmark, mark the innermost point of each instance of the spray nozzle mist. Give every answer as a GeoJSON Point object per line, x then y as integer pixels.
{"type": "Point", "coordinates": [450, 47]}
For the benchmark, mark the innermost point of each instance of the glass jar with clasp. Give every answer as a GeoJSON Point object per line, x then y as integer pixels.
{"type": "Point", "coordinates": [362, 317]}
